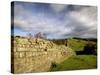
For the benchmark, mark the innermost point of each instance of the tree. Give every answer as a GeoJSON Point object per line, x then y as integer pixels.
{"type": "Point", "coordinates": [40, 35]}
{"type": "Point", "coordinates": [30, 35]}
{"type": "Point", "coordinates": [90, 48]}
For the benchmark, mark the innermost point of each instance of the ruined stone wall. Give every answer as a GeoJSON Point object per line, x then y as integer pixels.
{"type": "Point", "coordinates": [36, 55]}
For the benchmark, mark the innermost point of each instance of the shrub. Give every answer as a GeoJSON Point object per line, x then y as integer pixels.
{"type": "Point", "coordinates": [53, 65]}
{"type": "Point", "coordinates": [40, 35]}
{"type": "Point", "coordinates": [90, 48]}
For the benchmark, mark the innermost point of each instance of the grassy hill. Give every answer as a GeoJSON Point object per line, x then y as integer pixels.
{"type": "Point", "coordinates": [77, 44]}
{"type": "Point", "coordinates": [80, 61]}
{"type": "Point", "coordinates": [76, 63]}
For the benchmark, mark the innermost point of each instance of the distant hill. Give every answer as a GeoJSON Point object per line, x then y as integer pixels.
{"type": "Point", "coordinates": [60, 41]}
{"type": "Point", "coordinates": [87, 39]}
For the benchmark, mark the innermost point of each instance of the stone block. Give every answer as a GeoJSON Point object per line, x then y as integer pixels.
{"type": "Point", "coordinates": [22, 49]}
{"type": "Point", "coordinates": [22, 54]}
{"type": "Point", "coordinates": [19, 60]}
{"type": "Point", "coordinates": [29, 54]}
{"type": "Point", "coordinates": [16, 55]}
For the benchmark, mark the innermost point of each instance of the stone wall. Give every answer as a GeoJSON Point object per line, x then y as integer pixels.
{"type": "Point", "coordinates": [36, 55]}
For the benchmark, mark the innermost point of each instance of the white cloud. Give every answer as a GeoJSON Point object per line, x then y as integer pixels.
{"type": "Point", "coordinates": [81, 23]}
{"type": "Point", "coordinates": [58, 7]}
{"type": "Point", "coordinates": [85, 18]}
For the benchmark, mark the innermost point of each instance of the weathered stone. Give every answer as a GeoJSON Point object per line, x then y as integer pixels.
{"type": "Point", "coordinates": [36, 55]}
{"type": "Point", "coordinates": [29, 54]}
{"type": "Point", "coordinates": [22, 49]}
{"type": "Point", "coordinates": [22, 54]}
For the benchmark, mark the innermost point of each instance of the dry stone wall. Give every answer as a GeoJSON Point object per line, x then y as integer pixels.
{"type": "Point", "coordinates": [36, 55]}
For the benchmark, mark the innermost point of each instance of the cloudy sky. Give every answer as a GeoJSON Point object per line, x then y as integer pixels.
{"type": "Point", "coordinates": [57, 21]}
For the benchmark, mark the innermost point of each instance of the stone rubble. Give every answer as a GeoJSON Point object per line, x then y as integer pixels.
{"type": "Point", "coordinates": [36, 55]}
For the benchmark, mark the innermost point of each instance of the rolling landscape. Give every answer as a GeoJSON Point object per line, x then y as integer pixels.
{"type": "Point", "coordinates": [84, 57]}
{"type": "Point", "coordinates": [48, 37]}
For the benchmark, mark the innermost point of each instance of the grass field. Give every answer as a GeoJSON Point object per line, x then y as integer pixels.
{"type": "Point", "coordinates": [77, 63]}
{"type": "Point", "coordinates": [77, 45]}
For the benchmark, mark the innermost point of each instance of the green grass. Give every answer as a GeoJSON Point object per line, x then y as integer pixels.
{"type": "Point", "coordinates": [77, 45]}
{"type": "Point", "coordinates": [76, 63]}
